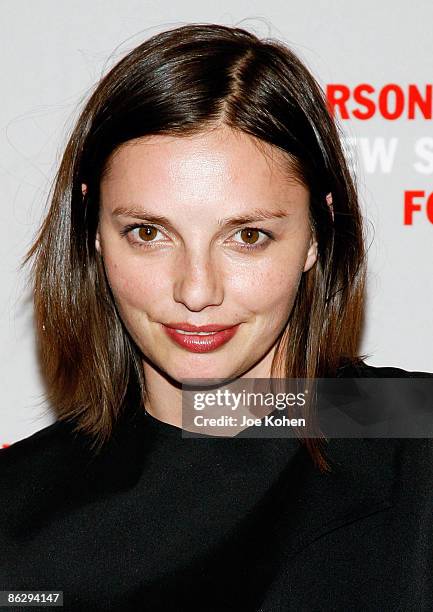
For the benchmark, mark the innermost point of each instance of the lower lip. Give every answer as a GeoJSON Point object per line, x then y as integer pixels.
{"type": "Point", "coordinates": [201, 344]}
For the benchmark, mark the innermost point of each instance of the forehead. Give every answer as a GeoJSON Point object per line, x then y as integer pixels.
{"type": "Point", "coordinates": [222, 163]}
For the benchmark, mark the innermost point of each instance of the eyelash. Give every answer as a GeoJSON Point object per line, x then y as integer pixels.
{"type": "Point", "coordinates": [128, 228]}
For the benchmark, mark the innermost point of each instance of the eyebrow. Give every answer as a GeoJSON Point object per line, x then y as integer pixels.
{"type": "Point", "coordinates": [258, 214]}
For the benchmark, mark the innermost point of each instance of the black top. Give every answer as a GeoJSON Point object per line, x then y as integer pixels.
{"type": "Point", "coordinates": [158, 522]}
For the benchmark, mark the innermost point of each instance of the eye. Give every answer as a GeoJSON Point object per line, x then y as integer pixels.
{"type": "Point", "coordinates": [146, 232]}
{"type": "Point", "coordinates": [253, 238]}
{"type": "Point", "coordinates": [140, 234]}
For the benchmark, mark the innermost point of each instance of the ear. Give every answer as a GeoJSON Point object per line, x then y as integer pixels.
{"type": "Point", "coordinates": [84, 190]}
{"type": "Point", "coordinates": [311, 255]}
{"type": "Point", "coordinates": [98, 241]}
{"type": "Point", "coordinates": [330, 204]}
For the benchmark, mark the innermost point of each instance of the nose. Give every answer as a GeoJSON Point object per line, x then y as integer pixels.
{"type": "Point", "coordinates": [198, 282]}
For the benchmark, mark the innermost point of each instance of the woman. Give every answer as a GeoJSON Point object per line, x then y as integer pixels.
{"type": "Point", "coordinates": [204, 189]}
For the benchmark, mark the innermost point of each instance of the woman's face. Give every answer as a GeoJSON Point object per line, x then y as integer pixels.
{"type": "Point", "coordinates": [174, 240]}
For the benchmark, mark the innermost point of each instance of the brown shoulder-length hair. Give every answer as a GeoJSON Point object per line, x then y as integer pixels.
{"type": "Point", "coordinates": [180, 82]}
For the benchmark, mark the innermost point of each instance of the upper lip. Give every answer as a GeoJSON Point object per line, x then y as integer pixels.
{"type": "Point", "coordinates": [203, 328]}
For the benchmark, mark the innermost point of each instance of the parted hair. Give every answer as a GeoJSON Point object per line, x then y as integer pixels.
{"type": "Point", "coordinates": [180, 82]}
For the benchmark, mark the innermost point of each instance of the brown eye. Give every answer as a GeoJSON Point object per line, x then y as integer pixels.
{"type": "Point", "coordinates": [147, 233]}
{"type": "Point", "coordinates": [252, 238]}
{"type": "Point", "coordinates": [250, 235]}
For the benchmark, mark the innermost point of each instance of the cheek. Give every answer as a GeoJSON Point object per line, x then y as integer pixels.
{"type": "Point", "coordinates": [270, 287]}
{"type": "Point", "coordinates": [135, 285]}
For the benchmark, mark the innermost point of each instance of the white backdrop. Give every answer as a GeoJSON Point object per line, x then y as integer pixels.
{"type": "Point", "coordinates": [53, 52]}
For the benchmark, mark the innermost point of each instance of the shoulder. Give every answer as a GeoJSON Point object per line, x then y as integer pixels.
{"type": "Point", "coordinates": [62, 442]}
{"type": "Point", "coordinates": [391, 458]}
{"type": "Point", "coordinates": [36, 473]}
{"type": "Point", "coordinates": [360, 368]}
{"type": "Point", "coordinates": [58, 465]}
{"type": "Point", "coordinates": [33, 463]}
{"type": "Point", "coordinates": [54, 437]}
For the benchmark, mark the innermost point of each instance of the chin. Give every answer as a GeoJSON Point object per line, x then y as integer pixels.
{"type": "Point", "coordinates": [202, 371]}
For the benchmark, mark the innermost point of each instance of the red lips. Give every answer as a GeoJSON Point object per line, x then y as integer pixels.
{"type": "Point", "coordinates": [197, 343]}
